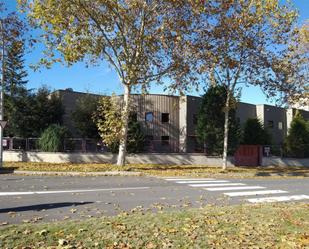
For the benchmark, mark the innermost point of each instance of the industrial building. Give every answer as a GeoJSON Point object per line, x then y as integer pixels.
{"type": "Point", "coordinates": [169, 122]}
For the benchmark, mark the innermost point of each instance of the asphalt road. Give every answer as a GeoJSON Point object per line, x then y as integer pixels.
{"type": "Point", "coordinates": [25, 199]}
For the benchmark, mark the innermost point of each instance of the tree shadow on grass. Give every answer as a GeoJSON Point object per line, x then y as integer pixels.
{"type": "Point", "coordinates": [45, 206]}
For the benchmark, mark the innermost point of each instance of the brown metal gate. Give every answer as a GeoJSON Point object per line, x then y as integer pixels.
{"type": "Point", "coordinates": [248, 155]}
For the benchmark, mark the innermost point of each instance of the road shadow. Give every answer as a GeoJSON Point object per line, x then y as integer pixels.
{"type": "Point", "coordinates": [45, 206]}
{"type": "Point", "coordinates": [7, 170]}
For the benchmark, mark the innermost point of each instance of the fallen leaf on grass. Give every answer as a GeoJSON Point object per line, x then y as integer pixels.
{"type": "Point", "coordinates": [62, 242]}
{"type": "Point", "coordinates": [73, 210]}
{"type": "Point", "coordinates": [43, 232]}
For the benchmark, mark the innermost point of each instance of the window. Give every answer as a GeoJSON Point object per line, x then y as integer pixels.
{"type": "Point", "coordinates": [165, 140]}
{"type": "Point", "coordinates": [195, 117]}
{"type": "Point", "coordinates": [148, 140]}
{"type": "Point", "coordinates": [165, 117]}
{"type": "Point", "coordinates": [149, 116]}
{"type": "Point", "coordinates": [270, 124]}
{"type": "Point", "coordinates": [280, 125]}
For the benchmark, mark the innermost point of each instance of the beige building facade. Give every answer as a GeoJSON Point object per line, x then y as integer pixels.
{"type": "Point", "coordinates": [169, 122]}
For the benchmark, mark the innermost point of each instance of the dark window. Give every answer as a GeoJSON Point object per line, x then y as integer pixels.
{"type": "Point", "coordinates": [195, 118]}
{"type": "Point", "coordinates": [133, 116]}
{"type": "Point", "coordinates": [165, 140]}
{"type": "Point", "coordinates": [149, 116]}
{"type": "Point", "coordinates": [148, 140]}
{"type": "Point", "coordinates": [165, 117]}
{"type": "Point", "coordinates": [270, 124]}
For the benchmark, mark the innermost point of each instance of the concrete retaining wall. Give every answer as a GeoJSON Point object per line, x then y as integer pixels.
{"type": "Point", "coordinates": [278, 161]}
{"type": "Point", "coordinates": [151, 158]}
{"type": "Point", "coordinates": [147, 158]}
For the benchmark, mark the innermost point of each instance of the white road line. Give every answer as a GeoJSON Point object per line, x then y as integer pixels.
{"type": "Point", "coordinates": [201, 181]}
{"type": "Point", "coordinates": [279, 198]}
{"type": "Point", "coordinates": [216, 184]}
{"type": "Point", "coordinates": [188, 179]}
{"type": "Point", "coordinates": [69, 191]}
{"type": "Point", "coordinates": [261, 192]}
{"type": "Point", "coordinates": [234, 188]}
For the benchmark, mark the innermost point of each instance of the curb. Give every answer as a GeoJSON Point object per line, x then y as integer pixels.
{"type": "Point", "coordinates": [106, 173]}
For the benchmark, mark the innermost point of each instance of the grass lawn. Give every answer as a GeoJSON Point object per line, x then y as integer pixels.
{"type": "Point", "coordinates": [166, 170]}
{"type": "Point", "coordinates": [242, 226]}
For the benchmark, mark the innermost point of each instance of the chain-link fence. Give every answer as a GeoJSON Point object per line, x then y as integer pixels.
{"type": "Point", "coordinates": [86, 145]}
{"type": "Point", "coordinates": [150, 146]}
{"type": "Point", "coordinates": [69, 145]}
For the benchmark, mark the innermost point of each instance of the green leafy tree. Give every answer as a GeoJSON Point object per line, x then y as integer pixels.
{"type": "Point", "coordinates": [297, 141]}
{"type": "Point", "coordinates": [210, 123]}
{"type": "Point", "coordinates": [136, 137]}
{"type": "Point", "coordinates": [139, 39]}
{"type": "Point", "coordinates": [16, 96]}
{"type": "Point", "coordinates": [108, 120]}
{"type": "Point", "coordinates": [46, 109]}
{"type": "Point", "coordinates": [15, 72]}
{"type": "Point", "coordinates": [30, 113]}
{"type": "Point", "coordinates": [254, 133]}
{"type": "Point", "coordinates": [52, 139]}
{"type": "Point", "coordinates": [82, 116]}
{"type": "Point", "coordinates": [18, 112]}
{"type": "Point", "coordinates": [12, 38]}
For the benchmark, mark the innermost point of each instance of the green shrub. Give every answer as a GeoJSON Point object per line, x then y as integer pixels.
{"type": "Point", "coordinates": [52, 138]}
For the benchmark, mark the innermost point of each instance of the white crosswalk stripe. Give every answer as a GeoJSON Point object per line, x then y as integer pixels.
{"type": "Point", "coordinates": [279, 198]}
{"type": "Point", "coordinates": [201, 181]}
{"type": "Point", "coordinates": [216, 185]}
{"type": "Point", "coordinates": [259, 192]}
{"type": "Point", "coordinates": [234, 188]}
{"type": "Point", "coordinates": [188, 179]}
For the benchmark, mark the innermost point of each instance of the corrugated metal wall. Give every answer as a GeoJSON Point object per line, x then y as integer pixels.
{"type": "Point", "coordinates": [159, 104]}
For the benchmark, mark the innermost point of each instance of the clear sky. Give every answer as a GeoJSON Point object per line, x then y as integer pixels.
{"type": "Point", "coordinates": [103, 79]}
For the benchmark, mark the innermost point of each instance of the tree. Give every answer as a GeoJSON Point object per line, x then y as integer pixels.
{"type": "Point", "coordinates": [82, 116]}
{"type": "Point", "coordinates": [16, 96]}
{"type": "Point", "coordinates": [136, 137]}
{"type": "Point", "coordinates": [139, 39]}
{"type": "Point", "coordinates": [246, 42]}
{"type": "Point", "coordinates": [108, 121]}
{"type": "Point", "coordinates": [297, 141]}
{"type": "Point", "coordinates": [46, 109]}
{"type": "Point", "coordinates": [300, 48]}
{"type": "Point", "coordinates": [52, 139]}
{"type": "Point", "coordinates": [211, 120]}
{"type": "Point", "coordinates": [254, 133]}
{"type": "Point", "coordinates": [15, 69]}
{"type": "Point", "coordinates": [11, 30]}
{"type": "Point", "coordinates": [18, 112]}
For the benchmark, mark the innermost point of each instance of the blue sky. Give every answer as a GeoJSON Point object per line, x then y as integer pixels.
{"type": "Point", "coordinates": [102, 79]}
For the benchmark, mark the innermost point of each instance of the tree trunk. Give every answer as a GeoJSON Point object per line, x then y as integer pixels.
{"type": "Point", "coordinates": [124, 131]}
{"type": "Point", "coordinates": [226, 131]}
